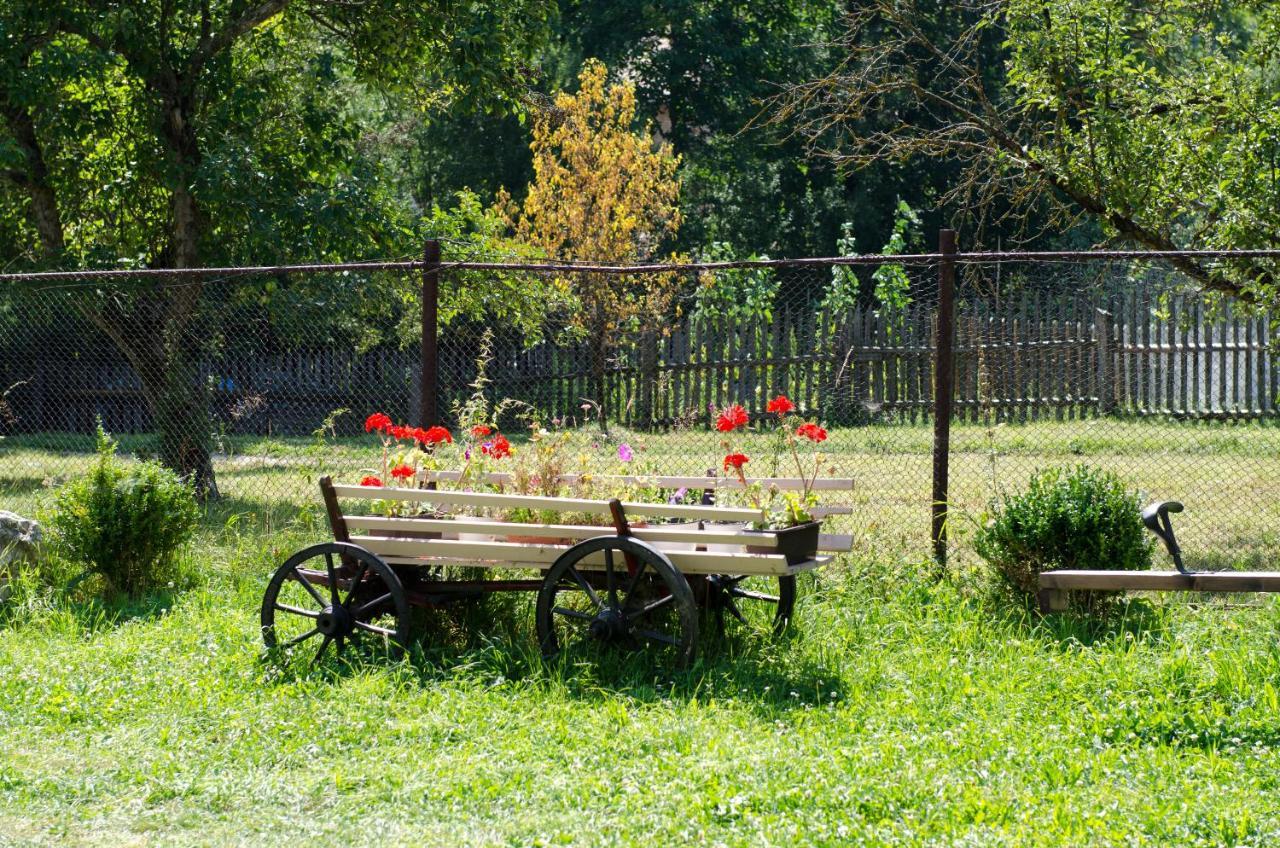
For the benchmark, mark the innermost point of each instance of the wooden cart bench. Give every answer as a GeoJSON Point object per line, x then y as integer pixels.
{"type": "Point", "coordinates": [623, 583]}
{"type": "Point", "coordinates": [1054, 586]}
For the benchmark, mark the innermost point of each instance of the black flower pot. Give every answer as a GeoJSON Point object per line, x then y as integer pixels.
{"type": "Point", "coordinates": [798, 543]}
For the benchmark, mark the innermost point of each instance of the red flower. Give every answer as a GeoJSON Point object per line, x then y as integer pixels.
{"type": "Point", "coordinates": [735, 460]}
{"type": "Point", "coordinates": [781, 405]}
{"type": "Point", "coordinates": [371, 481]}
{"type": "Point", "coordinates": [498, 448]}
{"type": "Point", "coordinates": [402, 472]}
{"type": "Point", "coordinates": [379, 421]}
{"type": "Point", "coordinates": [399, 431]}
{"type": "Point", "coordinates": [812, 432]}
{"type": "Point", "coordinates": [434, 435]}
{"type": "Point", "coordinates": [731, 419]}
{"type": "Point", "coordinates": [481, 430]}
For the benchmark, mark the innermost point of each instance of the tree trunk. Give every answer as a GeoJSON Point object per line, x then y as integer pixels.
{"type": "Point", "coordinates": [179, 400]}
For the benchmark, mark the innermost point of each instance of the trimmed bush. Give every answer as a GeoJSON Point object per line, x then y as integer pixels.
{"type": "Point", "coordinates": [126, 523]}
{"type": "Point", "coordinates": [1081, 517]}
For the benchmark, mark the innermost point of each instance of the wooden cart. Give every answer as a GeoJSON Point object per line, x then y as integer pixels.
{"type": "Point", "coordinates": [627, 583]}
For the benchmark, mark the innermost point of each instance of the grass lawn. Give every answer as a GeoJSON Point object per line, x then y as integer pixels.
{"type": "Point", "coordinates": [1227, 474]}
{"type": "Point", "coordinates": [898, 710]}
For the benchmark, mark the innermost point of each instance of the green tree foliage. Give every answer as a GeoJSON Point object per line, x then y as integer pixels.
{"type": "Point", "coordinates": [176, 133]}
{"type": "Point", "coordinates": [735, 294]}
{"type": "Point", "coordinates": [1154, 122]}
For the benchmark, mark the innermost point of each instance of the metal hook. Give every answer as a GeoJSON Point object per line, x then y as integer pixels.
{"type": "Point", "coordinates": [1156, 518]}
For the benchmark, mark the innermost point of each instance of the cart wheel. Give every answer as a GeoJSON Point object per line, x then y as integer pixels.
{"type": "Point", "coordinates": [591, 595]}
{"type": "Point", "coordinates": [753, 599]}
{"type": "Point", "coordinates": [335, 593]}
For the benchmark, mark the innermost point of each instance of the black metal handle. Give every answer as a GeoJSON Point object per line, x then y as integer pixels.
{"type": "Point", "coordinates": [1156, 517]}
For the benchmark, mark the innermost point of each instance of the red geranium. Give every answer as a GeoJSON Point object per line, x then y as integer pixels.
{"type": "Point", "coordinates": [732, 418]}
{"type": "Point", "coordinates": [481, 430]}
{"type": "Point", "coordinates": [812, 432]}
{"type": "Point", "coordinates": [781, 405]}
{"type": "Point", "coordinates": [402, 472]}
{"type": "Point", "coordinates": [498, 448]}
{"type": "Point", "coordinates": [399, 431]}
{"type": "Point", "coordinates": [371, 481]}
{"type": "Point", "coordinates": [378, 421]}
{"type": "Point", "coordinates": [434, 435]}
{"type": "Point", "coordinates": [736, 461]}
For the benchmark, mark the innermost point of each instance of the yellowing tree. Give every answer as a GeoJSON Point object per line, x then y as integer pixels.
{"type": "Point", "coordinates": [601, 193]}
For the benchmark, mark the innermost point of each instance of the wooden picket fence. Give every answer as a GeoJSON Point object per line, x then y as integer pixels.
{"type": "Point", "coordinates": [1030, 358]}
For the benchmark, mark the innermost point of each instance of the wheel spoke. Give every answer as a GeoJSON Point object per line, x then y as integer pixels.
{"type": "Point", "coordinates": [373, 628]}
{"type": "Point", "coordinates": [320, 652]}
{"type": "Point", "coordinates": [311, 590]}
{"type": "Point", "coordinates": [635, 578]}
{"type": "Point", "coordinates": [342, 643]}
{"type": "Point", "coordinates": [568, 613]}
{"type": "Point", "coordinates": [754, 596]}
{"type": "Point", "coordinates": [733, 610]}
{"type": "Point", "coordinates": [296, 610]}
{"type": "Point", "coordinates": [355, 582]}
{"type": "Point", "coordinates": [375, 602]}
{"type": "Point", "coordinates": [610, 580]}
{"type": "Point", "coordinates": [333, 579]}
{"type": "Point", "coordinates": [645, 610]}
{"type": "Point", "coordinates": [655, 636]}
{"type": "Point", "coordinates": [586, 587]}
{"type": "Point", "coordinates": [304, 637]}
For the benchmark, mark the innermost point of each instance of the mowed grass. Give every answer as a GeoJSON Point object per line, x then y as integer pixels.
{"type": "Point", "coordinates": [899, 709]}
{"type": "Point", "coordinates": [1226, 473]}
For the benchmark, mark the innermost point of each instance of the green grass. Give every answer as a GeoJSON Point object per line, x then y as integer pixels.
{"type": "Point", "coordinates": [1227, 473]}
{"type": "Point", "coordinates": [897, 711]}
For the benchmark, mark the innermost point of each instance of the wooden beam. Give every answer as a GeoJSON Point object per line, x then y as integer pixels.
{"type": "Point", "coordinates": [822, 484]}
{"type": "Point", "coordinates": [1162, 581]}
{"type": "Point", "coordinates": [514, 555]}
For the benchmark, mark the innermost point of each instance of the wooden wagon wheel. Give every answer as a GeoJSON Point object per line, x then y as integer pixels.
{"type": "Point", "coordinates": [739, 596]}
{"type": "Point", "coordinates": [334, 593]}
{"type": "Point", "coordinates": [619, 591]}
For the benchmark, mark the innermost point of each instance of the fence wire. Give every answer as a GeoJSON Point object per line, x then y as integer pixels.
{"type": "Point", "coordinates": [258, 382]}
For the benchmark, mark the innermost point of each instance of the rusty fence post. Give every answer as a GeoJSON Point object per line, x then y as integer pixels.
{"type": "Point", "coordinates": [428, 413]}
{"type": "Point", "coordinates": [943, 390]}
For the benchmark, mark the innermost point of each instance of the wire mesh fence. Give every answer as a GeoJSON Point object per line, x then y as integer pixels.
{"type": "Point", "coordinates": [257, 381]}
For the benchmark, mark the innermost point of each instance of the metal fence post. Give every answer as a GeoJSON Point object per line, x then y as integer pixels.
{"type": "Point", "coordinates": [428, 379]}
{"type": "Point", "coordinates": [1106, 386]}
{"type": "Point", "coordinates": [943, 390]}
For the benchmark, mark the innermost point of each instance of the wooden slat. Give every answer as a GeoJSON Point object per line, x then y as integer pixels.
{"type": "Point", "coordinates": [1223, 581]}
{"type": "Point", "coordinates": [513, 555]}
{"type": "Point", "coordinates": [694, 512]}
{"type": "Point", "coordinates": [822, 484]}
{"type": "Point", "coordinates": [712, 535]}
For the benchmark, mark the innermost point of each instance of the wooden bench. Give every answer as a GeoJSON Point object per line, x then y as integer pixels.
{"type": "Point", "coordinates": [1054, 586]}
{"type": "Point", "coordinates": [618, 581]}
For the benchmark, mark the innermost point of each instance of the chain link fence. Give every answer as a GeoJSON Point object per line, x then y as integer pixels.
{"type": "Point", "coordinates": [258, 381]}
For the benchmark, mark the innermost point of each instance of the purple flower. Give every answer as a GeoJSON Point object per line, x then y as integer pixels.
{"type": "Point", "coordinates": [624, 452]}
{"type": "Point", "coordinates": [467, 454]}
{"type": "Point", "coordinates": [678, 497]}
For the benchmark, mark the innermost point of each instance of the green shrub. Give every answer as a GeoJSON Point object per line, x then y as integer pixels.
{"type": "Point", "coordinates": [127, 523]}
{"type": "Point", "coordinates": [1067, 518]}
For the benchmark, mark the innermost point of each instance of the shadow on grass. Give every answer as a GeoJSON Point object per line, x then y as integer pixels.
{"type": "Point", "coordinates": [491, 646]}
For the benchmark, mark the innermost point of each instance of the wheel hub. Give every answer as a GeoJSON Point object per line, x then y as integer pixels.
{"type": "Point", "coordinates": [608, 625]}
{"type": "Point", "coordinates": [335, 621]}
